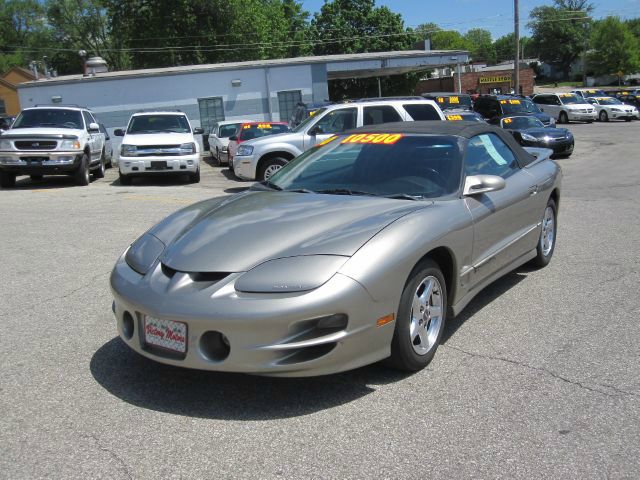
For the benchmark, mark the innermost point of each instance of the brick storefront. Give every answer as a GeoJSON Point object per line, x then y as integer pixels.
{"type": "Point", "coordinates": [480, 82]}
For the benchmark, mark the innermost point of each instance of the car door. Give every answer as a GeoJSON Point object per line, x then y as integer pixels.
{"type": "Point", "coordinates": [96, 140]}
{"type": "Point", "coordinates": [331, 123]}
{"type": "Point", "coordinates": [505, 221]}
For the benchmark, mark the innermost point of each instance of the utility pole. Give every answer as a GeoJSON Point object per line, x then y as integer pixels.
{"type": "Point", "coordinates": [516, 34]}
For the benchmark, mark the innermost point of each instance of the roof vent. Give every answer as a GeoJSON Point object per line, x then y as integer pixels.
{"type": "Point", "coordinates": [96, 65]}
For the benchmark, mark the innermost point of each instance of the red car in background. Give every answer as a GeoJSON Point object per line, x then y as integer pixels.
{"type": "Point", "coordinates": [251, 130]}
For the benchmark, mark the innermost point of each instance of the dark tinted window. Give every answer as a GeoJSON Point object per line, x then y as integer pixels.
{"type": "Point", "coordinates": [337, 121]}
{"type": "Point", "coordinates": [421, 111]}
{"type": "Point", "coordinates": [158, 124]}
{"type": "Point", "coordinates": [380, 114]}
{"type": "Point", "coordinates": [487, 154]}
{"type": "Point", "coordinates": [54, 117]}
{"type": "Point", "coordinates": [87, 119]}
{"type": "Point", "coordinates": [228, 130]}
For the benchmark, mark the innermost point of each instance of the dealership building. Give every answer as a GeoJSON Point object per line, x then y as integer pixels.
{"type": "Point", "coordinates": [260, 90]}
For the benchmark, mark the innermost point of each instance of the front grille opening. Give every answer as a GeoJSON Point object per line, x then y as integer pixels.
{"type": "Point", "coordinates": [167, 271]}
{"type": "Point", "coordinates": [317, 327]}
{"type": "Point", "coordinates": [35, 144]}
{"type": "Point", "coordinates": [208, 276]}
{"type": "Point", "coordinates": [308, 354]}
{"type": "Point", "coordinates": [215, 346]}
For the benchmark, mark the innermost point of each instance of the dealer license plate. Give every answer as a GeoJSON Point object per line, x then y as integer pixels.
{"type": "Point", "coordinates": [165, 334]}
{"type": "Point", "coordinates": [158, 165]}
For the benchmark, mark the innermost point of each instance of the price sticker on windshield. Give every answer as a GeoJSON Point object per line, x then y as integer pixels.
{"type": "Point", "coordinates": [374, 138]}
{"type": "Point", "coordinates": [507, 120]}
{"type": "Point", "coordinates": [454, 99]}
{"type": "Point", "coordinates": [454, 118]}
{"type": "Point", "coordinates": [264, 126]}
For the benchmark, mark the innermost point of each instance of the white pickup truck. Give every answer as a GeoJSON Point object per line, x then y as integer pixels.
{"type": "Point", "coordinates": [52, 140]}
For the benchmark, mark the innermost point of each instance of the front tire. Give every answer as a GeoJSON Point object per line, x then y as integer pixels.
{"type": "Point", "coordinates": [124, 179]}
{"type": "Point", "coordinates": [7, 180]}
{"type": "Point", "coordinates": [195, 177]}
{"type": "Point", "coordinates": [603, 117]}
{"type": "Point", "coordinates": [82, 174]}
{"type": "Point", "coordinates": [270, 167]}
{"type": "Point", "coordinates": [563, 117]}
{"type": "Point", "coordinates": [421, 318]}
{"type": "Point", "coordinates": [547, 240]}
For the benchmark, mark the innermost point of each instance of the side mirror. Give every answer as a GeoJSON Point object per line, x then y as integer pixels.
{"type": "Point", "coordinates": [198, 130]}
{"type": "Point", "coordinates": [93, 128]}
{"type": "Point", "coordinates": [233, 138]}
{"type": "Point", "coordinates": [118, 132]}
{"type": "Point", "coordinates": [476, 184]}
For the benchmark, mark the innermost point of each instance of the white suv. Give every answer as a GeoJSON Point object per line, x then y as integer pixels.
{"type": "Point", "coordinates": [565, 107]}
{"type": "Point", "coordinates": [52, 140]}
{"type": "Point", "coordinates": [259, 159]}
{"type": "Point", "coordinates": [158, 143]}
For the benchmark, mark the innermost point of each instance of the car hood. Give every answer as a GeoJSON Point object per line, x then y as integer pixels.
{"type": "Point", "coordinates": [546, 132]}
{"type": "Point", "coordinates": [240, 232]}
{"type": "Point", "coordinates": [164, 138]}
{"type": "Point", "coordinates": [37, 131]}
{"type": "Point", "coordinates": [279, 137]}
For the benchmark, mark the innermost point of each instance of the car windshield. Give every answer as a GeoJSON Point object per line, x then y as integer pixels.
{"type": "Point", "coordinates": [518, 105]}
{"type": "Point", "coordinates": [521, 123]}
{"type": "Point", "coordinates": [158, 124]}
{"type": "Point", "coordinates": [570, 99]}
{"type": "Point", "coordinates": [49, 117]}
{"type": "Point", "coordinates": [227, 131]}
{"type": "Point", "coordinates": [454, 101]}
{"type": "Point", "coordinates": [390, 165]}
{"type": "Point", "coordinates": [609, 101]}
{"type": "Point", "coordinates": [309, 119]}
{"type": "Point", "coordinates": [257, 130]}
{"type": "Point", "coordinates": [593, 93]}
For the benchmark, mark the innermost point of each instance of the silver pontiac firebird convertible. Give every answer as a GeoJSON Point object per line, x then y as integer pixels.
{"type": "Point", "coordinates": [356, 251]}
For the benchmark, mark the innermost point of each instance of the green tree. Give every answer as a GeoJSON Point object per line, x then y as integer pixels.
{"type": "Point", "coordinates": [449, 40]}
{"type": "Point", "coordinates": [505, 47]}
{"type": "Point", "coordinates": [561, 32]}
{"type": "Point", "coordinates": [614, 48]}
{"type": "Point", "coordinates": [481, 45]}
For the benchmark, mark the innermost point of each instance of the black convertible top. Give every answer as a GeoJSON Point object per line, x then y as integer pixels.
{"type": "Point", "coordinates": [463, 129]}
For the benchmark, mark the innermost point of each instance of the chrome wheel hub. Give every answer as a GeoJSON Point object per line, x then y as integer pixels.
{"type": "Point", "coordinates": [548, 231]}
{"type": "Point", "coordinates": [271, 169]}
{"type": "Point", "coordinates": [426, 315]}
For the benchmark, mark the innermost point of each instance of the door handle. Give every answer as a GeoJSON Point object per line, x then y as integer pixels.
{"type": "Point", "coordinates": [533, 189]}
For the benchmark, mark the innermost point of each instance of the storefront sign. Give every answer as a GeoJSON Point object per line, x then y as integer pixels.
{"type": "Point", "coordinates": [496, 79]}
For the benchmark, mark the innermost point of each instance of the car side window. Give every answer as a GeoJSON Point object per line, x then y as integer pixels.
{"type": "Point", "coordinates": [419, 111]}
{"type": "Point", "coordinates": [487, 154]}
{"type": "Point", "coordinates": [87, 120]}
{"type": "Point", "coordinates": [337, 121]}
{"type": "Point", "coordinates": [380, 114]}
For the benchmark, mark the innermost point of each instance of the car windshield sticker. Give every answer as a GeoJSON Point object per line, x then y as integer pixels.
{"type": "Point", "coordinates": [491, 150]}
{"type": "Point", "coordinates": [508, 120]}
{"type": "Point", "coordinates": [454, 117]}
{"type": "Point", "coordinates": [511, 102]}
{"type": "Point", "coordinates": [454, 100]}
{"type": "Point", "coordinates": [264, 126]}
{"type": "Point", "coordinates": [566, 95]}
{"type": "Point", "coordinates": [313, 112]}
{"type": "Point", "coordinates": [376, 138]}
{"type": "Point", "coordinates": [324, 142]}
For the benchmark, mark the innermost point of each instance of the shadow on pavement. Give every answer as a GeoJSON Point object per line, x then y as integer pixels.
{"type": "Point", "coordinates": [49, 182]}
{"type": "Point", "coordinates": [195, 393]}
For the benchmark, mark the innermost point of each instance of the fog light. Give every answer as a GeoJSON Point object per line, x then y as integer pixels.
{"type": "Point", "coordinates": [214, 346]}
{"type": "Point", "coordinates": [127, 325]}
{"type": "Point", "coordinates": [189, 162]}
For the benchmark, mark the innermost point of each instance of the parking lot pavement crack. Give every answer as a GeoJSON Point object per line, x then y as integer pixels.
{"type": "Point", "coordinates": [112, 454]}
{"type": "Point", "coordinates": [576, 383]}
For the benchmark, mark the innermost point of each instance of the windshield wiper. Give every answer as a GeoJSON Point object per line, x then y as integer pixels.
{"type": "Point", "coordinates": [300, 190]}
{"type": "Point", "coordinates": [266, 184]}
{"type": "Point", "coordinates": [345, 191]}
{"type": "Point", "coordinates": [404, 196]}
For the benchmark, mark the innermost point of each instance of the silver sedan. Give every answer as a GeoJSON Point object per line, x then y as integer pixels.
{"type": "Point", "coordinates": [357, 251]}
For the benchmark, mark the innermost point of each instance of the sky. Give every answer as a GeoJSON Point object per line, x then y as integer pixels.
{"type": "Point", "coordinates": [493, 15]}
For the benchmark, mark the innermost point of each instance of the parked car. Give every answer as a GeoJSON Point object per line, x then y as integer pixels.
{"type": "Point", "coordinates": [463, 115]}
{"type": "Point", "coordinates": [566, 107]}
{"type": "Point", "coordinates": [450, 100]}
{"type": "Point", "coordinates": [494, 107]}
{"type": "Point", "coordinates": [219, 140]}
{"type": "Point", "coordinates": [612, 108]}
{"type": "Point", "coordinates": [108, 147]}
{"type": "Point", "coordinates": [304, 111]}
{"type": "Point", "coordinates": [629, 99]}
{"type": "Point", "coordinates": [52, 140]}
{"type": "Point", "coordinates": [358, 251]}
{"type": "Point", "coordinates": [252, 130]}
{"type": "Point", "coordinates": [589, 92]}
{"type": "Point", "coordinates": [158, 143]}
{"type": "Point", "coordinates": [5, 122]}
{"type": "Point", "coordinates": [258, 159]}
{"type": "Point", "coordinates": [531, 132]}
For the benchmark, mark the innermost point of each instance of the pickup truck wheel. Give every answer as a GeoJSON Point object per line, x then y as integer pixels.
{"type": "Point", "coordinates": [36, 177]}
{"type": "Point", "coordinates": [124, 179]}
{"type": "Point", "coordinates": [99, 172]}
{"type": "Point", "coordinates": [82, 175]}
{"type": "Point", "coordinates": [270, 167]}
{"type": "Point", "coordinates": [7, 180]}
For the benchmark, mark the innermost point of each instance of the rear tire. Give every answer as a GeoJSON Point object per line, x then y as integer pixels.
{"type": "Point", "coordinates": [82, 174]}
{"type": "Point", "coordinates": [548, 232]}
{"type": "Point", "coordinates": [270, 167]}
{"type": "Point", "coordinates": [7, 180]}
{"type": "Point", "coordinates": [421, 318]}
{"type": "Point", "coordinates": [124, 179]}
{"type": "Point", "coordinates": [99, 172]}
{"type": "Point", "coordinates": [563, 117]}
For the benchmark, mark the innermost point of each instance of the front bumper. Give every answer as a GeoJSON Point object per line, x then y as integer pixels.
{"type": "Point", "coordinates": [160, 164]}
{"type": "Point", "coordinates": [37, 162]}
{"type": "Point", "coordinates": [268, 334]}
{"type": "Point", "coordinates": [560, 147]}
{"type": "Point", "coordinates": [622, 115]}
{"type": "Point", "coordinates": [245, 167]}
{"type": "Point", "coordinates": [582, 117]}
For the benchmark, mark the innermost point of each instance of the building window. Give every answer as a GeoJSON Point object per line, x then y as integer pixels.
{"type": "Point", "coordinates": [2, 107]}
{"type": "Point", "coordinates": [287, 102]}
{"type": "Point", "coordinates": [211, 112]}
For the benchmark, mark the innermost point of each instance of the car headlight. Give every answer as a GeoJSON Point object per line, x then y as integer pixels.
{"type": "Point", "coordinates": [291, 274]}
{"type": "Point", "coordinates": [70, 144]}
{"type": "Point", "coordinates": [225, 149]}
{"type": "Point", "coordinates": [5, 145]}
{"type": "Point", "coordinates": [188, 148]}
{"type": "Point", "coordinates": [244, 150]}
{"type": "Point", "coordinates": [616, 110]}
{"type": "Point", "coordinates": [143, 253]}
{"type": "Point", "coordinates": [128, 150]}
{"type": "Point", "coordinates": [529, 138]}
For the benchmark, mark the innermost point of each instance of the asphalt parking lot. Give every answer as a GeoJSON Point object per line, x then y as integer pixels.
{"type": "Point", "coordinates": [538, 378]}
